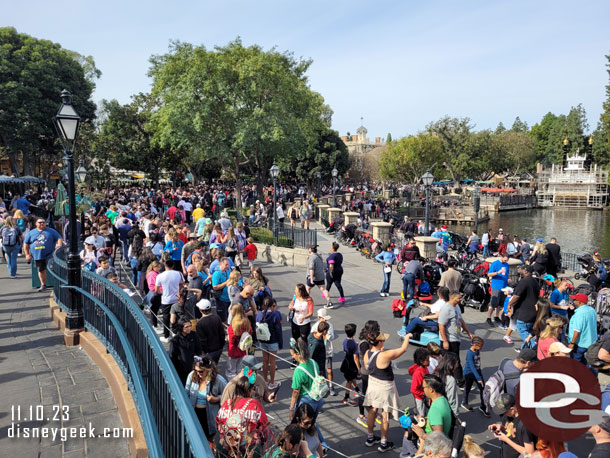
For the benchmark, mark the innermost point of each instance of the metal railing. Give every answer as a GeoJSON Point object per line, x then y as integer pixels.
{"type": "Point", "coordinates": [168, 420]}
{"type": "Point", "coordinates": [301, 238]}
{"type": "Point", "coordinates": [569, 262]}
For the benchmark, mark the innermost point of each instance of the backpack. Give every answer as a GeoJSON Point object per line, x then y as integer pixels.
{"type": "Point", "coordinates": [424, 288]}
{"type": "Point", "coordinates": [233, 432]}
{"type": "Point", "coordinates": [319, 388]}
{"type": "Point", "coordinates": [177, 217]}
{"type": "Point", "coordinates": [245, 341]}
{"type": "Point", "coordinates": [593, 350]}
{"type": "Point", "coordinates": [363, 369]}
{"type": "Point", "coordinates": [9, 236]}
{"type": "Point", "coordinates": [496, 384]}
{"type": "Point", "coordinates": [601, 271]}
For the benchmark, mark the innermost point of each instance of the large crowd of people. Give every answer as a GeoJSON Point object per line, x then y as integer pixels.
{"type": "Point", "coordinates": [196, 268]}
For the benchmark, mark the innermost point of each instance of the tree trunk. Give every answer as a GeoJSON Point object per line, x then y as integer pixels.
{"type": "Point", "coordinates": [13, 159]}
{"type": "Point", "coordinates": [237, 180]}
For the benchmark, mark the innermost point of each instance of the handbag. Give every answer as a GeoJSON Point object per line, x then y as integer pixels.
{"type": "Point", "coordinates": [387, 269]}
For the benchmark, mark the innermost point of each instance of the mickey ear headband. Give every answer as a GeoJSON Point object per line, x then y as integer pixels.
{"type": "Point", "coordinates": [293, 344]}
{"type": "Point", "coordinates": [247, 372]}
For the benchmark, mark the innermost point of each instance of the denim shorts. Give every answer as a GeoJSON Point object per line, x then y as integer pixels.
{"type": "Point", "coordinates": [272, 346]}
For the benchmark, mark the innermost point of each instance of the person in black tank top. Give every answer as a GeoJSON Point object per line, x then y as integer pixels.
{"type": "Point", "coordinates": [382, 393]}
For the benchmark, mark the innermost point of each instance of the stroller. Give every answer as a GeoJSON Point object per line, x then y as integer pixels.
{"type": "Point", "coordinates": [475, 292]}
{"type": "Point", "coordinates": [346, 234]}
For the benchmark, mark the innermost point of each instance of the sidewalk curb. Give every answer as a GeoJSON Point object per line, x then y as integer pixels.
{"type": "Point", "coordinates": [116, 381]}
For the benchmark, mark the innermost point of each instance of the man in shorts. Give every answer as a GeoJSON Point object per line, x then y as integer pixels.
{"type": "Point", "coordinates": [40, 244]}
{"type": "Point", "coordinates": [315, 270]}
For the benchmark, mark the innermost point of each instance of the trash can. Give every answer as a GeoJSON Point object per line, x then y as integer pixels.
{"type": "Point", "coordinates": [36, 280]}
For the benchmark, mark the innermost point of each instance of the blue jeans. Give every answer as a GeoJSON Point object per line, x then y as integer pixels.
{"type": "Point", "coordinates": [419, 322]}
{"type": "Point", "coordinates": [385, 288]}
{"type": "Point", "coordinates": [316, 406]}
{"type": "Point", "coordinates": [408, 286]}
{"type": "Point", "coordinates": [11, 254]}
{"type": "Point", "coordinates": [579, 354]}
{"type": "Point", "coordinates": [485, 251]}
{"type": "Point", "coordinates": [525, 329]}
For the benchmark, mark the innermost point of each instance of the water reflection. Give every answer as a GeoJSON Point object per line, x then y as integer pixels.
{"type": "Point", "coordinates": [577, 231]}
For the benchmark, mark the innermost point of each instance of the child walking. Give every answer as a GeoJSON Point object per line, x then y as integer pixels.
{"type": "Point", "coordinates": [421, 357]}
{"type": "Point", "coordinates": [349, 366]}
{"type": "Point", "coordinates": [473, 374]}
{"type": "Point", "coordinates": [509, 324]}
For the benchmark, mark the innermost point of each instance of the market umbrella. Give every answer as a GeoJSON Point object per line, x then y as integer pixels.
{"type": "Point", "coordinates": [509, 190]}
{"type": "Point", "coordinates": [30, 179]}
{"type": "Point", "coordinates": [60, 205]}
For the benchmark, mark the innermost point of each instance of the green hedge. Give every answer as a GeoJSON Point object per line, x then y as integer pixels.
{"type": "Point", "coordinates": [264, 235]}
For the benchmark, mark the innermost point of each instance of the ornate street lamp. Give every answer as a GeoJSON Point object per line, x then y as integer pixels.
{"type": "Point", "coordinates": [427, 179]}
{"type": "Point", "coordinates": [274, 171]}
{"type": "Point", "coordinates": [335, 173]}
{"type": "Point", "coordinates": [476, 203]}
{"type": "Point", "coordinates": [67, 122]}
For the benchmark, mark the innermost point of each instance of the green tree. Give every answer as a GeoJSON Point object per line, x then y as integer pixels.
{"type": "Point", "coordinates": [126, 138]}
{"type": "Point", "coordinates": [455, 136]}
{"type": "Point", "coordinates": [33, 72]}
{"type": "Point", "coordinates": [541, 134]}
{"type": "Point", "coordinates": [388, 138]}
{"type": "Point", "coordinates": [483, 155]}
{"type": "Point", "coordinates": [601, 136]}
{"type": "Point", "coordinates": [519, 126]}
{"type": "Point", "coordinates": [407, 159]}
{"type": "Point", "coordinates": [500, 128]}
{"type": "Point", "coordinates": [243, 105]}
{"type": "Point", "coordinates": [329, 151]}
{"type": "Point", "coordinates": [516, 152]}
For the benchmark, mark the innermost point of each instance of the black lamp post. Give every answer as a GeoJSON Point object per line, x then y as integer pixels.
{"type": "Point", "coordinates": [476, 203]}
{"type": "Point", "coordinates": [427, 179]}
{"type": "Point", "coordinates": [274, 171]}
{"type": "Point", "coordinates": [67, 123]}
{"type": "Point", "coordinates": [81, 176]}
{"type": "Point", "coordinates": [335, 173]}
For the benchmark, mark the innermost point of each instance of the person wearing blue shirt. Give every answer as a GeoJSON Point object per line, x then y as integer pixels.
{"type": "Point", "coordinates": [22, 204]}
{"type": "Point", "coordinates": [386, 258]}
{"type": "Point", "coordinates": [219, 285]}
{"type": "Point", "coordinates": [558, 300]}
{"type": "Point", "coordinates": [174, 248]}
{"type": "Point", "coordinates": [43, 241]}
{"type": "Point", "coordinates": [216, 264]}
{"type": "Point", "coordinates": [582, 332]}
{"type": "Point", "coordinates": [473, 374]}
{"type": "Point", "coordinates": [498, 273]}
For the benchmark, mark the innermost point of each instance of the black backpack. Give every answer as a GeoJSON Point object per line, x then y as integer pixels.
{"type": "Point", "coordinates": [593, 350]}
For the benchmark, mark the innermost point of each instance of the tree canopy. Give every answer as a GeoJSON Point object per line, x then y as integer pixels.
{"type": "Point", "coordinates": [33, 72]}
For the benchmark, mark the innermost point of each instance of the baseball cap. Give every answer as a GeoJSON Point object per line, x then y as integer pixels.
{"type": "Point", "coordinates": [508, 290]}
{"type": "Point", "coordinates": [558, 347]}
{"type": "Point", "coordinates": [500, 230]}
{"type": "Point", "coordinates": [323, 313]}
{"type": "Point", "coordinates": [90, 240]}
{"type": "Point", "coordinates": [505, 402]}
{"type": "Point", "coordinates": [524, 239]}
{"type": "Point", "coordinates": [580, 297]}
{"type": "Point", "coordinates": [313, 248]}
{"type": "Point", "coordinates": [539, 240]}
{"type": "Point", "coordinates": [527, 355]}
{"type": "Point", "coordinates": [204, 304]}
{"type": "Point", "coordinates": [251, 362]}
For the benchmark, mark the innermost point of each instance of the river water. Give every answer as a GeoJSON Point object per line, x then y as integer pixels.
{"type": "Point", "coordinates": [577, 231]}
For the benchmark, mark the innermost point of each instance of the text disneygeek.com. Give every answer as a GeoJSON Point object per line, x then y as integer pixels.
{"type": "Point", "coordinates": [16, 431]}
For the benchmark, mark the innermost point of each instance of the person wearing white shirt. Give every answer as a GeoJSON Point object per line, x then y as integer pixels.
{"type": "Point", "coordinates": [429, 320]}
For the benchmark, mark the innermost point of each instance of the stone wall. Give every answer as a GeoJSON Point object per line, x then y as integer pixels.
{"type": "Point", "coordinates": [295, 257]}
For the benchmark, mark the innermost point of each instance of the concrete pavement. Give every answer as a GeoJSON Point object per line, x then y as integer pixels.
{"type": "Point", "coordinates": [61, 385]}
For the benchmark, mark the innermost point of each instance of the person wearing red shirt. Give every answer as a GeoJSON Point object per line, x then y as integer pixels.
{"type": "Point", "coordinates": [251, 253]}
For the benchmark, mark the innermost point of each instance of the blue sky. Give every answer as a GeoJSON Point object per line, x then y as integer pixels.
{"type": "Point", "coordinates": [398, 64]}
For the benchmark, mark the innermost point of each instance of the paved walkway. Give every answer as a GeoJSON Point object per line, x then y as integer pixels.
{"type": "Point", "coordinates": [61, 384]}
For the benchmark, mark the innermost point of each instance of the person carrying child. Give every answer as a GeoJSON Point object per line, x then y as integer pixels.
{"type": "Point", "coordinates": [349, 366]}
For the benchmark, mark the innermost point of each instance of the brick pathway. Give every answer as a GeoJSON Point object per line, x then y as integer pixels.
{"type": "Point", "coordinates": [37, 370]}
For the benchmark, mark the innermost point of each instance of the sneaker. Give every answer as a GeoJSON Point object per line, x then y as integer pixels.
{"type": "Point", "coordinates": [370, 441]}
{"type": "Point", "coordinates": [333, 392]}
{"type": "Point", "coordinates": [517, 349]}
{"type": "Point", "coordinates": [42, 288]}
{"type": "Point", "coordinates": [350, 402]}
{"type": "Point", "coordinates": [465, 407]}
{"type": "Point", "coordinates": [507, 339]}
{"type": "Point", "coordinates": [362, 421]}
{"type": "Point", "coordinates": [165, 339]}
{"type": "Point", "coordinates": [329, 305]}
{"type": "Point", "coordinates": [273, 386]}
{"type": "Point", "coordinates": [497, 320]}
{"type": "Point", "coordinates": [401, 333]}
{"type": "Point", "coordinates": [489, 322]}
{"type": "Point", "coordinates": [385, 447]}
{"type": "Point", "coordinates": [483, 411]}
{"type": "Point", "coordinates": [382, 294]}
{"type": "Point", "coordinates": [504, 328]}
{"type": "Point", "coordinates": [159, 331]}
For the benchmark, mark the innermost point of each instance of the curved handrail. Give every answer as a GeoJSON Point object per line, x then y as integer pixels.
{"type": "Point", "coordinates": [152, 439]}
{"type": "Point", "coordinates": [188, 438]}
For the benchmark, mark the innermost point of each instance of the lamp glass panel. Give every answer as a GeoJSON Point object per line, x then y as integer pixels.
{"type": "Point", "coordinates": [68, 128]}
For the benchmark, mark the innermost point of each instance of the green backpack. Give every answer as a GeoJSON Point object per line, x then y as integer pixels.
{"type": "Point", "coordinates": [319, 387]}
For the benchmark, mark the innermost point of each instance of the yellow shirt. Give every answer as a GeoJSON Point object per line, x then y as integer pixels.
{"type": "Point", "coordinates": [198, 213]}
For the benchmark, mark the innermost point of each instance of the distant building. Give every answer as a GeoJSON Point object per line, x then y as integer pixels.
{"type": "Point", "coordinates": [364, 155]}
{"type": "Point", "coordinates": [573, 185]}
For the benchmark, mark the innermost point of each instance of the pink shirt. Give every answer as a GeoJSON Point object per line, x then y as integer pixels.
{"type": "Point", "coordinates": [151, 278]}
{"type": "Point", "coordinates": [543, 347]}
